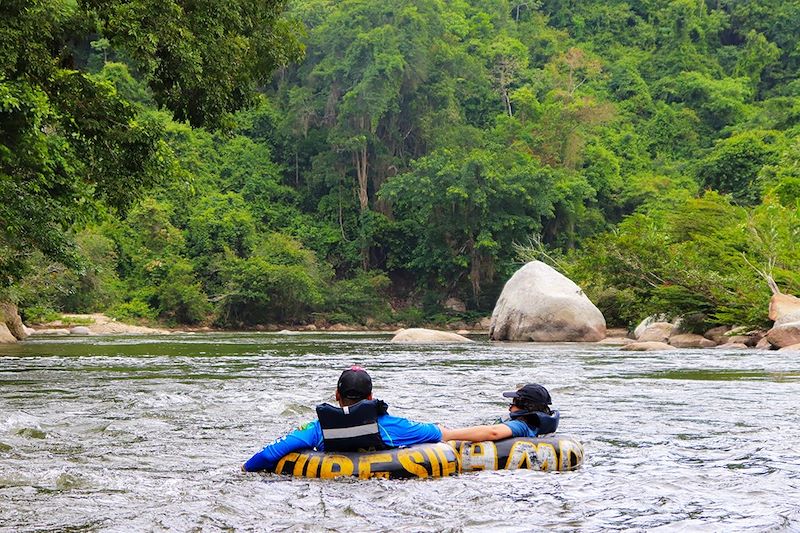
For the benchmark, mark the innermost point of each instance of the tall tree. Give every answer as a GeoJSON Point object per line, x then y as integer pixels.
{"type": "Point", "coordinates": [468, 207]}
{"type": "Point", "coordinates": [365, 59]}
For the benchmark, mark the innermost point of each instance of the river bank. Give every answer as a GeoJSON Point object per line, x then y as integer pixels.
{"type": "Point", "coordinates": [100, 324]}
{"type": "Point", "coordinates": [648, 336]}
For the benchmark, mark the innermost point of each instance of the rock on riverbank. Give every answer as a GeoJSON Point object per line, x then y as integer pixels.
{"type": "Point", "coordinates": [784, 309]}
{"type": "Point", "coordinates": [414, 335]}
{"type": "Point", "coordinates": [11, 327]}
{"type": "Point", "coordinates": [539, 303]}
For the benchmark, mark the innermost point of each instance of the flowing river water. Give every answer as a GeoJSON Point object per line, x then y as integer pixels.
{"type": "Point", "coordinates": [148, 434]}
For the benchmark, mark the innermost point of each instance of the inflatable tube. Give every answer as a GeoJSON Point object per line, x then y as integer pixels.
{"type": "Point", "coordinates": [547, 453]}
{"type": "Point", "coordinates": [441, 459]}
{"type": "Point", "coordinates": [437, 459]}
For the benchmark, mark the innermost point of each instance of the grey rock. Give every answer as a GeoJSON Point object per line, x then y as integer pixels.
{"type": "Point", "coordinates": [485, 322]}
{"type": "Point", "coordinates": [617, 332]}
{"type": "Point", "coordinates": [540, 304]}
{"type": "Point", "coordinates": [749, 340]}
{"type": "Point", "coordinates": [422, 335]}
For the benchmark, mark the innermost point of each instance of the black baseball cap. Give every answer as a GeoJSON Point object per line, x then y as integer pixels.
{"type": "Point", "coordinates": [530, 393]}
{"type": "Point", "coordinates": [354, 384]}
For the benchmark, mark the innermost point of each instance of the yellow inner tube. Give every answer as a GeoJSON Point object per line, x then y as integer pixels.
{"type": "Point", "coordinates": [441, 459]}
{"type": "Point", "coordinates": [550, 453]}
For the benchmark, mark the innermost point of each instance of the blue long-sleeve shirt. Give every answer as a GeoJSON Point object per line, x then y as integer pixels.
{"type": "Point", "coordinates": [396, 432]}
{"type": "Point", "coordinates": [521, 429]}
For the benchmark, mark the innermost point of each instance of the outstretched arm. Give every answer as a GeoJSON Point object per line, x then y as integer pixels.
{"type": "Point", "coordinates": [477, 433]}
{"type": "Point", "coordinates": [306, 437]}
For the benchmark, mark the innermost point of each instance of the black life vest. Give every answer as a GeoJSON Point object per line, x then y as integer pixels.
{"type": "Point", "coordinates": [543, 422]}
{"type": "Point", "coordinates": [353, 428]}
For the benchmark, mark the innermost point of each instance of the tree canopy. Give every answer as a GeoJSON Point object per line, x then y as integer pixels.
{"type": "Point", "coordinates": [245, 162]}
{"type": "Point", "coordinates": [73, 140]}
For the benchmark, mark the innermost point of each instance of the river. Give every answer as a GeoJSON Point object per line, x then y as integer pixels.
{"type": "Point", "coordinates": [148, 434]}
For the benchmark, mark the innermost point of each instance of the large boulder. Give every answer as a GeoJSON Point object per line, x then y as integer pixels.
{"type": "Point", "coordinates": [540, 304]}
{"type": "Point", "coordinates": [420, 335]}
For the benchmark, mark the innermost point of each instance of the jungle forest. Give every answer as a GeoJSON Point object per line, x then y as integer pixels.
{"type": "Point", "coordinates": [239, 163]}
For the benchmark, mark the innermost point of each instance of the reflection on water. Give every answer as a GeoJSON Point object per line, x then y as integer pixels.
{"type": "Point", "coordinates": [148, 434]}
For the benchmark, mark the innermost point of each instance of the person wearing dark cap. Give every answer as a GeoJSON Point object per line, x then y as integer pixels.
{"type": "Point", "coordinates": [359, 423]}
{"type": "Point", "coordinates": [530, 415]}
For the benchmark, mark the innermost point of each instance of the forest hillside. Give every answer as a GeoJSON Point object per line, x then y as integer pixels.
{"type": "Point", "coordinates": [242, 163]}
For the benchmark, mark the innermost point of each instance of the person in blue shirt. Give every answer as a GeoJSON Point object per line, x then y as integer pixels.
{"type": "Point", "coordinates": [530, 416]}
{"type": "Point", "coordinates": [359, 423]}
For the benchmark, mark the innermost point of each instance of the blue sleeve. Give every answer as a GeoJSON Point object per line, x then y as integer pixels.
{"type": "Point", "coordinates": [397, 432]}
{"type": "Point", "coordinates": [308, 436]}
{"type": "Point", "coordinates": [521, 429]}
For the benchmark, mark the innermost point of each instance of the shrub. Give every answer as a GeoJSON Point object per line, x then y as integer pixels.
{"type": "Point", "coordinates": [620, 307]}
{"type": "Point", "coordinates": [410, 316]}
{"type": "Point", "coordinates": [258, 291]}
{"type": "Point", "coordinates": [135, 309]}
{"type": "Point", "coordinates": [180, 296]}
{"type": "Point", "coordinates": [38, 314]}
{"type": "Point", "coordinates": [339, 318]}
{"type": "Point", "coordinates": [96, 287]}
{"type": "Point", "coordinates": [360, 297]}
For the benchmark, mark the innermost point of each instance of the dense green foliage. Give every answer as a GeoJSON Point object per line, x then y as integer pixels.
{"type": "Point", "coordinates": [151, 166]}
{"type": "Point", "coordinates": [72, 139]}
